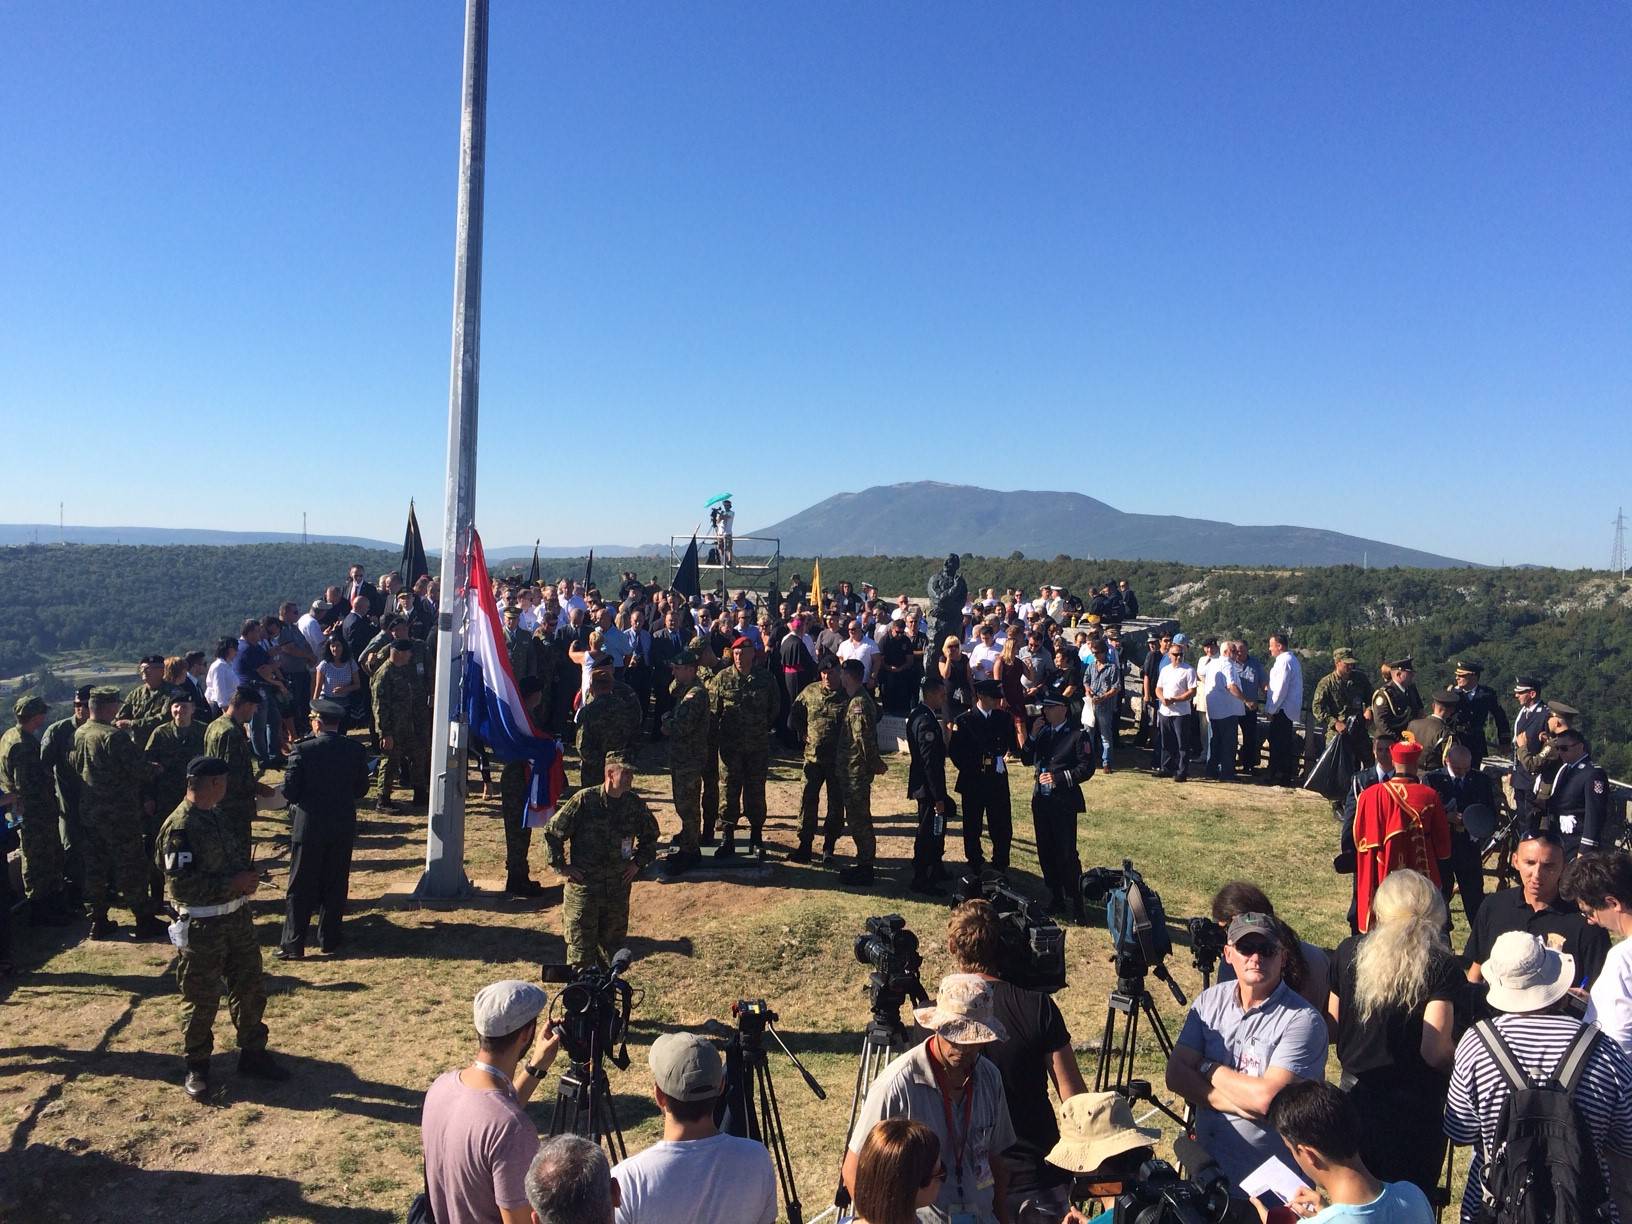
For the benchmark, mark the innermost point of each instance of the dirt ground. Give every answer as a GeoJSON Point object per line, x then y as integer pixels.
{"type": "Point", "coordinates": [90, 1069]}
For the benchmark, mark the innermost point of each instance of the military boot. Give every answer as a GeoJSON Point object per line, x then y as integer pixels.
{"type": "Point", "coordinates": [860, 875]}
{"type": "Point", "coordinates": [197, 1083]}
{"type": "Point", "coordinates": [728, 845]}
{"type": "Point", "coordinates": [102, 927]}
{"type": "Point", "coordinates": [49, 911]}
{"type": "Point", "coordinates": [802, 854]}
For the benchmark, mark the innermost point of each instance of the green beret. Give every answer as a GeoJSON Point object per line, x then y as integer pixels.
{"type": "Point", "coordinates": [27, 707]}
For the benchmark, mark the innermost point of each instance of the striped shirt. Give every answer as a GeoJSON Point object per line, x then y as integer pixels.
{"type": "Point", "coordinates": [1478, 1091]}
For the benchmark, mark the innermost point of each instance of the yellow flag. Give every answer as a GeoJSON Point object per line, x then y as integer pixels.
{"type": "Point", "coordinates": [816, 584]}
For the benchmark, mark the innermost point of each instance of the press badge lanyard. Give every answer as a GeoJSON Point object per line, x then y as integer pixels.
{"type": "Point", "coordinates": [495, 1073]}
{"type": "Point", "coordinates": [959, 1142]}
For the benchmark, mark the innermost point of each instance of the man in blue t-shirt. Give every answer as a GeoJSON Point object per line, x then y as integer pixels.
{"type": "Point", "coordinates": [1321, 1128]}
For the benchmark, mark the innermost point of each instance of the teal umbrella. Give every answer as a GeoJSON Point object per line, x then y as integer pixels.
{"type": "Point", "coordinates": [714, 501]}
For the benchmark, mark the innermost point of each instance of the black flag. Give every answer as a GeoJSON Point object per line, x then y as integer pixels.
{"type": "Point", "coordinates": [687, 581]}
{"type": "Point", "coordinates": [413, 565]}
{"type": "Point", "coordinates": [589, 570]}
{"type": "Point", "coordinates": [532, 574]}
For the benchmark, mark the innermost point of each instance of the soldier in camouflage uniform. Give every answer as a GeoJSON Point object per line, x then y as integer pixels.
{"type": "Point", "coordinates": [1339, 704]}
{"type": "Point", "coordinates": [170, 748]}
{"type": "Point", "coordinates": [112, 774]}
{"type": "Point", "coordinates": [399, 717]}
{"type": "Point", "coordinates": [858, 763]}
{"type": "Point", "coordinates": [747, 704]}
{"type": "Point", "coordinates": [686, 726]}
{"type": "Point", "coordinates": [23, 774]}
{"type": "Point", "coordinates": [227, 739]}
{"type": "Point", "coordinates": [709, 666]}
{"type": "Point", "coordinates": [55, 745]}
{"type": "Point", "coordinates": [521, 645]}
{"type": "Point", "coordinates": [210, 880]}
{"type": "Point", "coordinates": [548, 655]}
{"type": "Point", "coordinates": [817, 712]}
{"type": "Point", "coordinates": [613, 835]}
{"type": "Point", "coordinates": [146, 707]}
{"type": "Point", "coordinates": [1395, 704]}
{"type": "Point", "coordinates": [518, 838]}
{"type": "Point", "coordinates": [608, 721]}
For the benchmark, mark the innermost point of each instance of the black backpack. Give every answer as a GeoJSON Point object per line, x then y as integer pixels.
{"type": "Point", "coordinates": [1543, 1169]}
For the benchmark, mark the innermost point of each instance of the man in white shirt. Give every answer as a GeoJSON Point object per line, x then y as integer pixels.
{"type": "Point", "coordinates": [311, 627]}
{"type": "Point", "coordinates": [1221, 691]}
{"type": "Point", "coordinates": [1175, 690]}
{"type": "Point", "coordinates": [983, 657]}
{"type": "Point", "coordinates": [694, 1174]}
{"type": "Point", "coordinates": [1600, 884]}
{"type": "Point", "coordinates": [1284, 708]}
{"type": "Point", "coordinates": [860, 645]}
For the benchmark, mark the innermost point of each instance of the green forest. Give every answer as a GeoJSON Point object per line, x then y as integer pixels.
{"type": "Point", "coordinates": [1571, 627]}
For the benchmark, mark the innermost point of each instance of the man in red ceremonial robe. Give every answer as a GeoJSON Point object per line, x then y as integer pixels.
{"type": "Point", "coordinates": [1398, 823]}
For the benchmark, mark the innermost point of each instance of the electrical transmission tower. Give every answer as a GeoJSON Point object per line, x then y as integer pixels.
{"type": "Point", "coordinates": [1617, 554]}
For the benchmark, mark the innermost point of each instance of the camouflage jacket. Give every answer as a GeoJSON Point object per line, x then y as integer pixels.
{"type": "Point", "coordinates": [399, 702]}
{"type": "Point", "coordinates": [524, 655]}
{"type": "Point", "coordinates": [1338, 697]}
{"type": "Point", "coordinates": [687, 728]}
{"type": "Point", "coordinates": [226, 739]}
{"type": "Point", "coordinates": [610, 722]}
{"type": "Point", "coordinates": [147, 709]}
{"type": "Point", "coordinates": [56, 743]}
{"type": "Point", "coordinates": [111, 771]}
{"type": "Point", "coordinates": [815, 718]}
{"type": "Point", "coordinates": [857, 757]}
{"type": "Point", "coordinates": [746, 705]}
{"type": "Point", "coordinates": [199, 855]}
{"type": "Point", "coordinates": [170, 748]}
{"type": "Point", "coordinates": [599, 828]}
{"type": "Point", "coordinates": [23, 774]}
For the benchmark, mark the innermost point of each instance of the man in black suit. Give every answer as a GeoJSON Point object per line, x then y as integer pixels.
{"type": "Point", "coordinates": [358, 628]}
{"type": "Point", "coordinates": [981, 739]}
{"type": "Point", "coordinates": [326, 775]}
{"type": "Point", "coordinates": [1578, 807]}
{"type": "Point", "coordinates": [1065, 758]}
{"type": "Point", "coordinates": [357, 585]}
{"type": "Point", "coordinates": [1527, 732]}
{"type": "Point", "coordinates": [926, 782]}
{"type": "Point", "coordinates": [1460, 786]}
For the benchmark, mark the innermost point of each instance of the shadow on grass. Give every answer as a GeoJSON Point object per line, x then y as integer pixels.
{"type": "Point", "coordinates": [375, 935]}
{"type": "Point", "coordinates": [59, 1185]}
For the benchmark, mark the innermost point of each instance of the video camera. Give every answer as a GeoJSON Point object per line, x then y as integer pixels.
{"type": "Point", "coordinates": [892, 951]}
{"type": "Point", "coordinates": [1133, 915]}
{"type": "Point", "coordinates": [1033, 956]}
{"type": "Point", "coordinates": [1161, 1196]}
{"type": "Point", "coordinates": [595, 1006]}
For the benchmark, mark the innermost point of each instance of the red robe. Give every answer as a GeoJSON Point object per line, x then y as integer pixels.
{"type": "Point", "coordinates": [1397, 824]}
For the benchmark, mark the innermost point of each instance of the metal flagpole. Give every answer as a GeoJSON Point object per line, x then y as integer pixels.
{"type": "Point", "coordinates": [445, 833]}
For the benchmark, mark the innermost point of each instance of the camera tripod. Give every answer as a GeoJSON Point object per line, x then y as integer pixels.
{"type": "Point", "coordinates": [583, 1106]}
{"type": "Point", "coordinates": [755, 1096]}
{"type": "Point", "coordinates": [884, 1038]}
{"type": "Point", "coordinates": [1128, 1001]}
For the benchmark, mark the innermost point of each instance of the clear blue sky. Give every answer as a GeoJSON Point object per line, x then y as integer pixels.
{"type": "Point", "coordinates": [1364, 267]}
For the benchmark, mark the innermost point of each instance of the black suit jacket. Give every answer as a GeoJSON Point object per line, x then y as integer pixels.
{"type": "Point", "coordinates": [926, 774]}
{"type": "Point", "coordinates": [1528, 723]}
{"type": "Point", "coordinates": [326, 775]}
{"type": "Point", "coordinates": [358, 631]}
{"type": "Point", "coordinates": [977, 741]}
{"type": "Point", "coordinates": [1070, 754]}
{"type": "Point", "coordinates": [1472, 788]}
{"type": "Point", "coordinates": [1581, 790]}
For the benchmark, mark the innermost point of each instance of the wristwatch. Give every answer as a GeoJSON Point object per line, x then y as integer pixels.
{"type": "Point", "coordinates": [535, 1072]}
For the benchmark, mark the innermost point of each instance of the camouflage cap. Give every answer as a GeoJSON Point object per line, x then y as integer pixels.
{"type": "Point", "coordinates": [104, 693]}
{"type": "Point", "coordinates": [1344, 655]}
{"type": "Point", "coordinates": [686, 658]}
{"type": "Point", "coordinates": [28, 707]}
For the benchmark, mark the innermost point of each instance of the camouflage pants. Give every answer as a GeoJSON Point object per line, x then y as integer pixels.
{"type": "Point", "coordinates": [113, 852]}
{"type": "Point", "coordinates": [406, 763]}
{"type": "Point", "coordinates": [858, 817]}
{"type": "Point", "coordinates": [711, 790]}
{"type": "Point", "coordinates": [591, 766]}
{"type": "Point", "coordinates": [240, 817]}
{"type": "Point", "coordinates": [687, 785]}
{"type": "Point", "coordinates": [745, 767]}
{"type": "Point", "coordinates": [820, 776]}
{"type": "Point", "coordinates": [594, 919]}
{"type": "Point", "coordinates": [221, 957]}
{"type": "Point", "coordinates": [518, 839]}
{"type": "Point", "coordinates": [42, 852]}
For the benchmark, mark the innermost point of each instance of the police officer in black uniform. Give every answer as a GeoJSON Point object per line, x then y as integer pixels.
{"type": "Point", "coordinates": [981, 739]}
{"type": "Point", "coordinates": [327, 774]}
{"type": "Point", "coordinates": [1395, 704]}
{"type": "Point", "coordinates": [1529, 729]}
{"type": "Point", "coordinates": [1480, 706]}
{"type": "Point", "coordinates": [1578, 807]}
{"type": "Point", "coordinates": [1065, 757]}
{"type": "Point", "coordinates": [926, 782]}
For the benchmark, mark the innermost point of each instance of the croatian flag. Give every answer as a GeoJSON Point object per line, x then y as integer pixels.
{"type": "Point", "coordinates": [493, 705]}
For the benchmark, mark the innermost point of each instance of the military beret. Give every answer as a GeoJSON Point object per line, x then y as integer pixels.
{"type": "Point", "coordinates": [1520, 683]}
{"type": "Point", "coordinates": [600, 663]}
{"type": "Point", "coordinates": [853, 667]}
{"type": "Point", "coordinates": [326, 707]}
{"type": "Point", "coordinates": [1404, 664]}
{"type": "Point", "coordinates": [152, 660]}
{"type": "Point", "coordinates": [1467, 667]}
{"type": "Point", "coordinates": [82, 694]}
{"type": "Point", "coordinates": [686, 658]}
{"type": "Point", "coordinates": [1344, 655]}
{"type": "Point", "coordinates": [1448, 697]}
{"type": "Point", "coordinates": [1562, 710]}
{"type": "Point", "coordinates": [246, 695]}
{"type": "Point", "coordinates": [744, 640]}
{"type": "Point", "coordinates": [390, 621]}
{"type": "Point", "coordinates": [27, 707]}
{"type": "Point", "coordinates": [104, 693]}
{"type": "Point", "coordinates": [408, 644]}
{"type": "Point", "coordinates": [826, 660]}
{"type": "Point", "coordinates": [988, 688]}
{"type": "Point", "coordinates": [206, 767]}
{"type": "Point", "coordinates": [181, 697]}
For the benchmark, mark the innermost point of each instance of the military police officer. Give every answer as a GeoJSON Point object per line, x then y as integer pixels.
{"type": "Point", "coordinates": [169, 749]}
{"type": "Point", "coordinates": [858, 762]}
{"type": "Point", "coordinates": [747, 704]}
{"type": "Point", "coordinates": [112, 774]}
{"type": "Point", "coordinates": [686, 726]}
{"type": "Point", "coordinates": [325, 777]}
{"type": "Point", "coordinates": [1578, 804]}
{"type": "Point", "coordinates": [612, 835]}
{"type": "Point", "coordinates": [207, 870]}
{"type": "Point", "coordinates": [227, 740]}
{"type": "Point", "coordinates": [817, 712]}
{"type": "Point", "coordinates": [24, 775]}
{"type": "Point", "coordinates": [56, 742]}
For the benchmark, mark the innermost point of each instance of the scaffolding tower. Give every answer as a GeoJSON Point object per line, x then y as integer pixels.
{"type": "Point", "coordinates": [755, 563]}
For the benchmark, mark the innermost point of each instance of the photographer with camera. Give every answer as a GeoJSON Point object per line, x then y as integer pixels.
{"type": "Point", "coordinates": [1035, 1051]}
{"type": "Point", "coordinates": [944, 1083]}
{"type": "Point", "coordinates": [1242, 1042]}
{"type": "Point", "coordinates": [1103, 1148]}
{"type": "Point", "coordinates": [478, 1140]}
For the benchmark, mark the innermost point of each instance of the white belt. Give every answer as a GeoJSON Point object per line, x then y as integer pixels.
{"type": "Point", "coordinates": [214, 911]}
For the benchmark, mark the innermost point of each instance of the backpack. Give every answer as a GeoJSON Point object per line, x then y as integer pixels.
{"type": "Point", "coordinates": [1543, 1168]}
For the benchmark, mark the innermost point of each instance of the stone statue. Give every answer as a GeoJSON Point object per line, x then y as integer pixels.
{"type": "Point", "coordinates": [948, 592]}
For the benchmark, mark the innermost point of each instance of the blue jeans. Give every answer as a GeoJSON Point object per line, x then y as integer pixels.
{"type": "Point", "coordinates": [1221, 746]}
{"type": "Point", "coordinates": [1105, 723]}
{"type": "Point", "coordinates": [1173, 744]}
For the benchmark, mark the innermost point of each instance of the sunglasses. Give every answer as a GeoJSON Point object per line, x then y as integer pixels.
{"type": "Point", "coordinates": [1261, 948]}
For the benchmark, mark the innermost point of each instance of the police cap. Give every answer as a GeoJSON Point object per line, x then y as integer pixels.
{"type": "Point", "coordinates": [1467, 667]}
{"type": "Point", "coordinates": [1402, 664]}
{"type": "Point", "coordinates": [206, 767]}
{"type": "Point", "coordinates": [1563, 711]}
{"type": "Point", "coordinates": [1049, 699]}
{"type": "Point", "coordinates": [1448, 697]}
{"type": "Point", "coordinates": [328, 709]}
{"type": "Point", "coordinates": [988, 688]}
{"type": "Point", "coordinates": [1521, 683]}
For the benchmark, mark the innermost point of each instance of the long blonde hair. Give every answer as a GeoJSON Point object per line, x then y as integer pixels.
{"type": "Point", "coordinates": [1407, 936]}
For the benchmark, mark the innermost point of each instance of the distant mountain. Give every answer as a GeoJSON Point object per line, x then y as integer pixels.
{"type": "Point", "coordinates": [49, 533]}
{"type": "Point", "coordinates": [927, 518]}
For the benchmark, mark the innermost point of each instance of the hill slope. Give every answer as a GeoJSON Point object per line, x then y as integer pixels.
{"type": "Point", "coordinates": [924, 518]}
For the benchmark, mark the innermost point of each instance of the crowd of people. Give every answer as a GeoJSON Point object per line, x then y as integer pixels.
{"type": "Point", "coordinates": [149, 796]}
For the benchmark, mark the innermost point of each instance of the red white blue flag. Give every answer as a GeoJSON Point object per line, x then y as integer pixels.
{"type": "Point", "coordinates": [493, 706]}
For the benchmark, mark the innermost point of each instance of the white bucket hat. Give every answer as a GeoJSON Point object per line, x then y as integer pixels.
{"type": "Point", "coordinates": [963, 1011]}
{"type": "Point", "coordinates": [1094, 1126]}
{"type": "Point", "coordinates": [1525, 975]}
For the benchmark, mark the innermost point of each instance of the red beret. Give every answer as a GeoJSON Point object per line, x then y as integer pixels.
{"type": "Point", "coordinates": [1406, 752]}
{"type": "Point", "coordinates": [744, 640]}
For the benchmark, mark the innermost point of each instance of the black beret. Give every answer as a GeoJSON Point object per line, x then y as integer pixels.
{"type": "Point", "coordinates": [407, 644]}
{"type": "Point", "coordinates": [326, 707]}
{"type": "Point", "coordinates": [82, 695]}
{"type": "Point", "coordinates": [853, 667]}
{"type": "Point", "coordinates": [206, 767]}
{"type": "Point", "coordinates": [988, 688]}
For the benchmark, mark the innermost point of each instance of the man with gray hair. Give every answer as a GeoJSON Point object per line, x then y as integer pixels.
{"type": "Point", "coordinates": [569, 1182]}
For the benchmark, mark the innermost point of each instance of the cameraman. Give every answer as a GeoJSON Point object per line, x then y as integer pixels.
{"type": "Point", "coordinates": [1036, 1050]}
